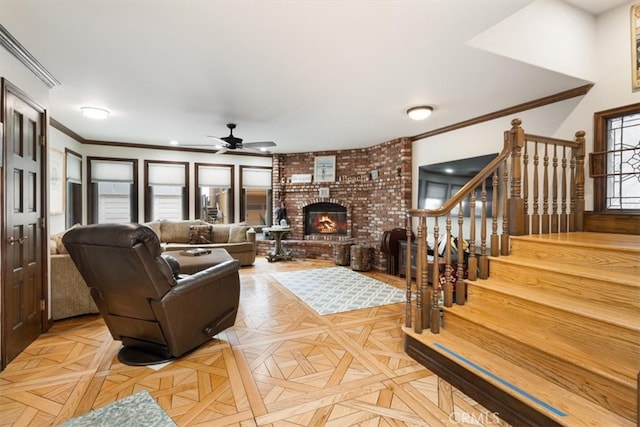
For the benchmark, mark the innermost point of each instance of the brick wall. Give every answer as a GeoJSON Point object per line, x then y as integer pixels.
{"type": "Point", "coordinates": [375, 205]}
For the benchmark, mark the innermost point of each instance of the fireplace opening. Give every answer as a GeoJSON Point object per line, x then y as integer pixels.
{"type": "Point", "coordinates": [325, 219]}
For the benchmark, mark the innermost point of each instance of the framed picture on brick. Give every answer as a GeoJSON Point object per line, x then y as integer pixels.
{"type": "Point", "coordinates": [325, 169]}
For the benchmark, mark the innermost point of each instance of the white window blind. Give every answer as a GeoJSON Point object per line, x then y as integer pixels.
{"type": "Point", "coordinates": [214, 176]}
{"type": "Point", "coordinates": [256, 178]}
{"type": "Point", "coordinates": [166, 174]}
{"type": "Point", "coordinates": [114, 171]}
{"type": "Point", "coordinates": [74, 169]}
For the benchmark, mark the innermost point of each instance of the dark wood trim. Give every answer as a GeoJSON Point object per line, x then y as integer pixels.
{"type": "Point", "coordinates": [91, 197]}
{"type": "Point", "coordinates": [536, 103]}
{"type": "Point", "coordinates": [232, 214]}
{"type": "Point", "coordinates": [599, 162]}
{"type": "Point", "coordinates": [169, 147]}
{"type": "Point", "coordinates": [148, 200]}
{"type": "Point", "coordinates": [65, 130]}
{"type": "Point", "coordinates": [507, 407]}
{"type": "Point", "coordinates": [612, 222]}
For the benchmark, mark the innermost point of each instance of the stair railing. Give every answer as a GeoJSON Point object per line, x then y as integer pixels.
{"type": "Point", "coordinates": [506, 194]}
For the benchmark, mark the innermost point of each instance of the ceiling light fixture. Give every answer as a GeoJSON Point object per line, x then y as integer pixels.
{"type": "Point", "coordinates": [174, 142]}
{"type": "Point", "coordinates": [419, 113]}
{"type": "Point", "coordinates": [95, 113]}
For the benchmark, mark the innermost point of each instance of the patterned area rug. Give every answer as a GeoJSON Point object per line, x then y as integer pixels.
{"type": "Point", "coordinates": [338, 289]}
{"type": "Point", "coordinates": [138, 410]}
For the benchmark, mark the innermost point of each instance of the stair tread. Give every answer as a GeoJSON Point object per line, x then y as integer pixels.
{"type": "Point", "coordinates": [621, 316]}
{"type": "Point", "coordinates": [520, 330]}
{"type": "Point", "coordinates": [546, 397]}
{"type": "Point", "coordinates": [620, 277]}
{"type": "Point", "coordinates": [628, 242]}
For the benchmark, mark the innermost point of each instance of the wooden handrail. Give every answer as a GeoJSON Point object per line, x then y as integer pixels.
{"type": "Point", "coordinates": [466, 189]}
{"type": "Point", "coordinates": [548, 140]}
{"type": "Point", "coordinates": [530, 168]}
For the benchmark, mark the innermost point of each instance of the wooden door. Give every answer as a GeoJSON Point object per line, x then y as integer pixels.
{"type": "Point", "coordinates": [23, 300]}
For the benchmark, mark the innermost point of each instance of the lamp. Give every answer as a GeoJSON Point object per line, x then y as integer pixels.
{"type": "Point", "coordinates": [94, 113]}
{"type": "Point", "coordinates": [419, 113]}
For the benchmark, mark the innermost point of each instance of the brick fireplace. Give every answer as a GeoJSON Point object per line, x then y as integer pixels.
{"type": "Point", "coordinates": [326, 220]}
{"type": "Point", "coordinates": [372, 184]}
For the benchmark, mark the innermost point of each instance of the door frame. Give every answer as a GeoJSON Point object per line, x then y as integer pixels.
{"type": "Point", "coordinates": [6, 88]}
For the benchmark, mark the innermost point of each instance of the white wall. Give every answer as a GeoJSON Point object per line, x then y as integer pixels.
{"type": "Point", "coordinates": [561, 120]}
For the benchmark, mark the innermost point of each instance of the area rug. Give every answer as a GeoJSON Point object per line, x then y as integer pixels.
{"type": "Point", "coordinates": [138, 410]}
{"type": "Point", "coordinates": [338, 289]}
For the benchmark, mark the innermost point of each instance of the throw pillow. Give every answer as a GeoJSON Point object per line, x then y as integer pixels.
{"type": "Point", "coordinates": [199, 234]}
{"type": "Point", "coordinates": [238, 233]}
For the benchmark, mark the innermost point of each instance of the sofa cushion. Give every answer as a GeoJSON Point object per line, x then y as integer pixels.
{"type": "Point", "coordinates": [220, 233]}
{"type": "Point", "coordinates": [199, 234]}
{"type": "Point", "coordinates": [238, 233]}
{"type": "Point", "coordinates": [177, 231]}
{"type": "Point", "coordinates": [155, 226]}
{"type": "Point", "coordinates": [57, 238]}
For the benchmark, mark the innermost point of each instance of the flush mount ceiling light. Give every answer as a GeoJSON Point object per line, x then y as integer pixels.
{"type": "Point", "coordinates": [94, 113]}
{"type": "Point", "coordinates": [419, 113]}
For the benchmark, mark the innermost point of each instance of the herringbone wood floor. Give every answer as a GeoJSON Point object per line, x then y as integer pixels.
{"type": "Point", "coordinates": [280, 365]}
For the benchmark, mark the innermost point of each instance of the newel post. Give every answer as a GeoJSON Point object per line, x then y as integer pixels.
{"type": "Point", "coordinates": [516, 202]}
{"type": "Point", "coordinates": [578, 196]}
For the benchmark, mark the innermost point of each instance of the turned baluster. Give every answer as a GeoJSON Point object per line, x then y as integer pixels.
{"type": "Point", "coordinates": [495, 239]}
{"type": "Point", "coordinates": [579, 178]}
{"type": "Point", "coordinates": [554, 191]}
{"type": "Point", "coordinates": [448, 286]}
{"type": "Point", "coordinates": [472, 268]}
{"type": "Point", "coordinates": [507, 204]}
{"type": "Point", "coordinates": [545, 191]}
{"type": "Point", "coordinates": [563, 200]}
{"type": "Point", "coordinates": [525, 189]}
{"type": "Point", "coordinates": [433, 290]}
{"type": "Point", "coordinates": [535, 217]}
{"type": "Point", "coordinates": [460, 284]}
{"type": "Point", "coordinates": [420, 282]}
{"type": "Point", "coordinates": [484, 261]}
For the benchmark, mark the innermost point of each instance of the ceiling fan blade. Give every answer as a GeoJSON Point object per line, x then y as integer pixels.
{"type": "Point", "coordinates": [219, 140]}
{"type": "Point", "coordinates": [259, 144]}
{"type": "Point", "coordinates": [246, 149]}
{"type": "Point", "coordinates": [221, 151]}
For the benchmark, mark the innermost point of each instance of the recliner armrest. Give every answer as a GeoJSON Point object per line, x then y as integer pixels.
{"type": "Point", "coordinates": [202, 278]}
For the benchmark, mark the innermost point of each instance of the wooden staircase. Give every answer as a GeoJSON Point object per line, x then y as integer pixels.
{"type": "Point", "coordinates": [552, 337]}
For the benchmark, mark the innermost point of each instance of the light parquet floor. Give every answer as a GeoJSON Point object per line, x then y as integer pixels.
{"type": "Point", "coordinates": [280, 365]}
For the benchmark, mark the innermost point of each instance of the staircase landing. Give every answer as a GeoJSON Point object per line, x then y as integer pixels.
{"type": "Point", "coordinates": [552, 337]}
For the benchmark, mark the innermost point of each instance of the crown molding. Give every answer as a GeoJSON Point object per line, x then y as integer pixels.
{"type": "Point", "coordinates": [22, 54]}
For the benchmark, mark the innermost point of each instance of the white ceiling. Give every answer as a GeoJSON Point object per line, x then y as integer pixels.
{"type": "Point", "coordinates": [309, 75]}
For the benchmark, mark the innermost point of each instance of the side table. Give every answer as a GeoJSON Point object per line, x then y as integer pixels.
{"type": "Point", "coordinates": [278, 252]}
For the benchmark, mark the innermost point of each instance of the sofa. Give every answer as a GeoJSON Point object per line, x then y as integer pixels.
{"type": "Point", "coordinates": [70, 294]}
{"type": "Point", "coordinates": [238, 239]}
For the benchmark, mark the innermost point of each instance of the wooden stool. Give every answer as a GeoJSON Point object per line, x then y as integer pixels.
{"type": "Point", "coordinates": [361, 258]}
{"type": "Point", "coordinates": [342, 253]}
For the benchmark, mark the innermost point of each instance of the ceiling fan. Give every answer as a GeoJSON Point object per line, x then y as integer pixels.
{"type": "Point", "coordinates": [233, 143]}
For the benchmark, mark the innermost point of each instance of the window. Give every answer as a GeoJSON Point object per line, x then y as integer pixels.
{"type": "Point", "coordinates": [112, 191]}
{"type": "Point", "coordinates": [166, 190]}
{"type": "Point", "coordinates": [73, 208]}
{"type": "Point", "coordinates": [214, 201]}
{"type": "Point", "coordinates": [615, 163]}
{"type": "Point", "coordinates": [255, 203]}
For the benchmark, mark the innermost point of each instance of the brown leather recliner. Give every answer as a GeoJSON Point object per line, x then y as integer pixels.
{"type": "Point", "coordinates": [156, 317]}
